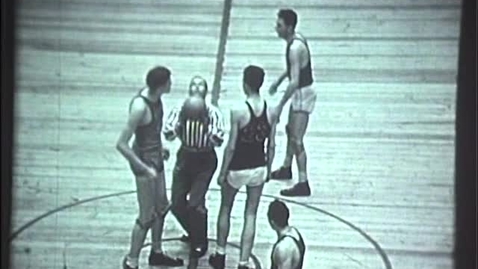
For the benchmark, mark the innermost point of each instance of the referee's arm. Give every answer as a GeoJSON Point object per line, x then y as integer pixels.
{"type": "Point", "coordinates": [216, 126]}
{"type": "Point", "coordinates": [170, 129]}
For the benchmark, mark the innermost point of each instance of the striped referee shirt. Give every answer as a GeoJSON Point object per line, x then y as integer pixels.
{"type": "Point", "coordinates": [193, 134]}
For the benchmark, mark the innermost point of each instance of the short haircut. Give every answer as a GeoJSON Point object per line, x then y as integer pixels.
{"type": "Point", "coordinates": [254, 77]}
{"type": "Point", "coordinates": [288, 16]}
{"type": "Point", "coordinates": [279, 213]}
{"type": "Point", "coordinates": [157, 77]}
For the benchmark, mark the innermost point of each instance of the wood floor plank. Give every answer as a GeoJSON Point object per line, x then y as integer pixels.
{"type": "Point", "coordinates": [323, 47]}
{"type": "Point", "coordinates": [348, 11]}
{"type": "Point", "coordinates": [344, 3]}
{"type": "Point", "coordinates": [331, 61]}
{"type": "Point", "coordinates": [68, 67]}
{"type": "Point", "coordinates": [323, 29]}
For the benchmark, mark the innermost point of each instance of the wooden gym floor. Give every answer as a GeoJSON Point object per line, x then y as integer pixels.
{"type": "Point", "coordinates": [380, 143]}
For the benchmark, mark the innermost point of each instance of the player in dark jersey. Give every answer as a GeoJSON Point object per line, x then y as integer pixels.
{"type": "Point", "coordinates": [200, 128]}
{"type": "Point", "coordinates": [289, 250]}
{"type": "Point", "coordinates": [245, 163]}
{"type": "Point", "coordinates": [147, 164]}
{"type": "Point", "coordinates": [303, 97]}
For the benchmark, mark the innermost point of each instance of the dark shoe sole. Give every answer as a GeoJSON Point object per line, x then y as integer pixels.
{"type": "Point", "coordinates": [280, 179]}
{"type": "Point", "coordinates": [294, 194]}
{"type": "Point", "coordinates": [176, 262]}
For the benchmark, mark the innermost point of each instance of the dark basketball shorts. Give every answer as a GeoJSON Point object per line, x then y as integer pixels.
{"type": "Point", "coordinates": [151, 159]}
{"type": "Point", "coordinates": [151, 194]}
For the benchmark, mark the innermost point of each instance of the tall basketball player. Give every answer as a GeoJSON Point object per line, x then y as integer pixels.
{"type": "Point", "coordinates": [303, 95]}
{"type": "Point", "coordinates": [245, 163]}
{"type": "Point", "coordinates": [200, 128]}
{"type": "Point", "coordinates": [289, 250]}
{"type": "Point", "coordinates": [147, 164]}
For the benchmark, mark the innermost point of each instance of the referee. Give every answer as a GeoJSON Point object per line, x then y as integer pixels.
{"type": "Point", "coordinates": [196, 162]}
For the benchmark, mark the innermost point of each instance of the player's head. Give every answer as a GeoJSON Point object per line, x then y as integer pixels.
{"type": "Point", "coordinates": [159, 79]}
{"type": "Point", "coordinates": [286, 22]}
{"type": "Point", "coordinates": [198, 86]}
{"type": "Point", "coordinates": [253, 78]}
{"type": "Point", "coordinates": [278, 215]}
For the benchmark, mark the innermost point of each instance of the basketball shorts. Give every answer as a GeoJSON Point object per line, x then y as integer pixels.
{"type": "Point", "coordinates": [152, 198]}
{"type": "Point", "coordinates": [303, 100]}
{"type": "Point", "coordinates": [151, 194]}
{"type": "Point", "coordinates": [152, 159]}
{"type": "Point", "coordinates": [248, 177]}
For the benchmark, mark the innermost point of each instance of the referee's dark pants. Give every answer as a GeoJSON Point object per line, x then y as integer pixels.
{"type": "Point", "coordinates": [192, 175]}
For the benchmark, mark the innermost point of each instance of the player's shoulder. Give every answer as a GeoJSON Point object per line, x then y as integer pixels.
{"type": "Point", "coordinates": [138, 104]}
{"type": "Point", "coordinates": [298, 43]}
{"type": "Point", "coordinates": [238, 110]}
{"type": "Point", "coordinates": [297, 46]}
{"type": "Point", "coordinates": [284, 247]}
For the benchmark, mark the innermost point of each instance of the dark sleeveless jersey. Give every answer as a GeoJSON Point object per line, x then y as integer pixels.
{"type": "Point", "coordinates": [300, 245]}
{"type": "Point", "coordinates": [305, 74]}
{"type": "Point", "coordinates": [148, 136]}
{"type": "Point", "coordinates": [250, 149]}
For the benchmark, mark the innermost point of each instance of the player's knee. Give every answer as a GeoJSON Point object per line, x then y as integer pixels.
{"type": "Point", "coordinates": [145, 224]}
{"type": "Point", "coordinates": [251, 211]}
{"type": "Point", "coordinates": [298, 145]}
{"type": "Point", "coordinates": [163, 211]}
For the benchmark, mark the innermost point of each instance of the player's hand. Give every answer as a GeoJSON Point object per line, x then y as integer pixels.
{"type": "Point", "coordinates": [273, 89]}
{"type": "Point", "coordinates": [166, 154]}
{"type": "Point", "coordinates": [151, 173]}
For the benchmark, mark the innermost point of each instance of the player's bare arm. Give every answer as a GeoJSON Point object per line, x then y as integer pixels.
{"type": "Point", "coordinates": [231, 145]}
{"type": "Point", "coordinates": [271, 143]}
{"type": "Point", "coordinates": [294, 57]}
{"type": "Point", "coordinates": [136, 115]}
{"type": "Point", "coordinates": [285, 253]}
{"type": "Point", "coordinates": [277, 83]}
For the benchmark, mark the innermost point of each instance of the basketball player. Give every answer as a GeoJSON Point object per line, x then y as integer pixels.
{"type": "Point", "coordinates": [303, 95]}
{"type": "Point", "coordinates": [245, 163]}
{"type": "Point", "coordinates": [196, 162]}
{"type": "Point", "coordinates": [146, 162]}
{"type": "Point", "coordinates": [289, 250]}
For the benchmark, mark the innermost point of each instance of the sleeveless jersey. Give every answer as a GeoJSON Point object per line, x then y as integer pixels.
{"type": "Point", "coordinates": [300, 244]}
{"type": "Point", "coordinates": [250, 149]}
{"type": "Point", "coordinates": [305, 74]}
{"type": "Point", "coordinates": [147, 140]}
